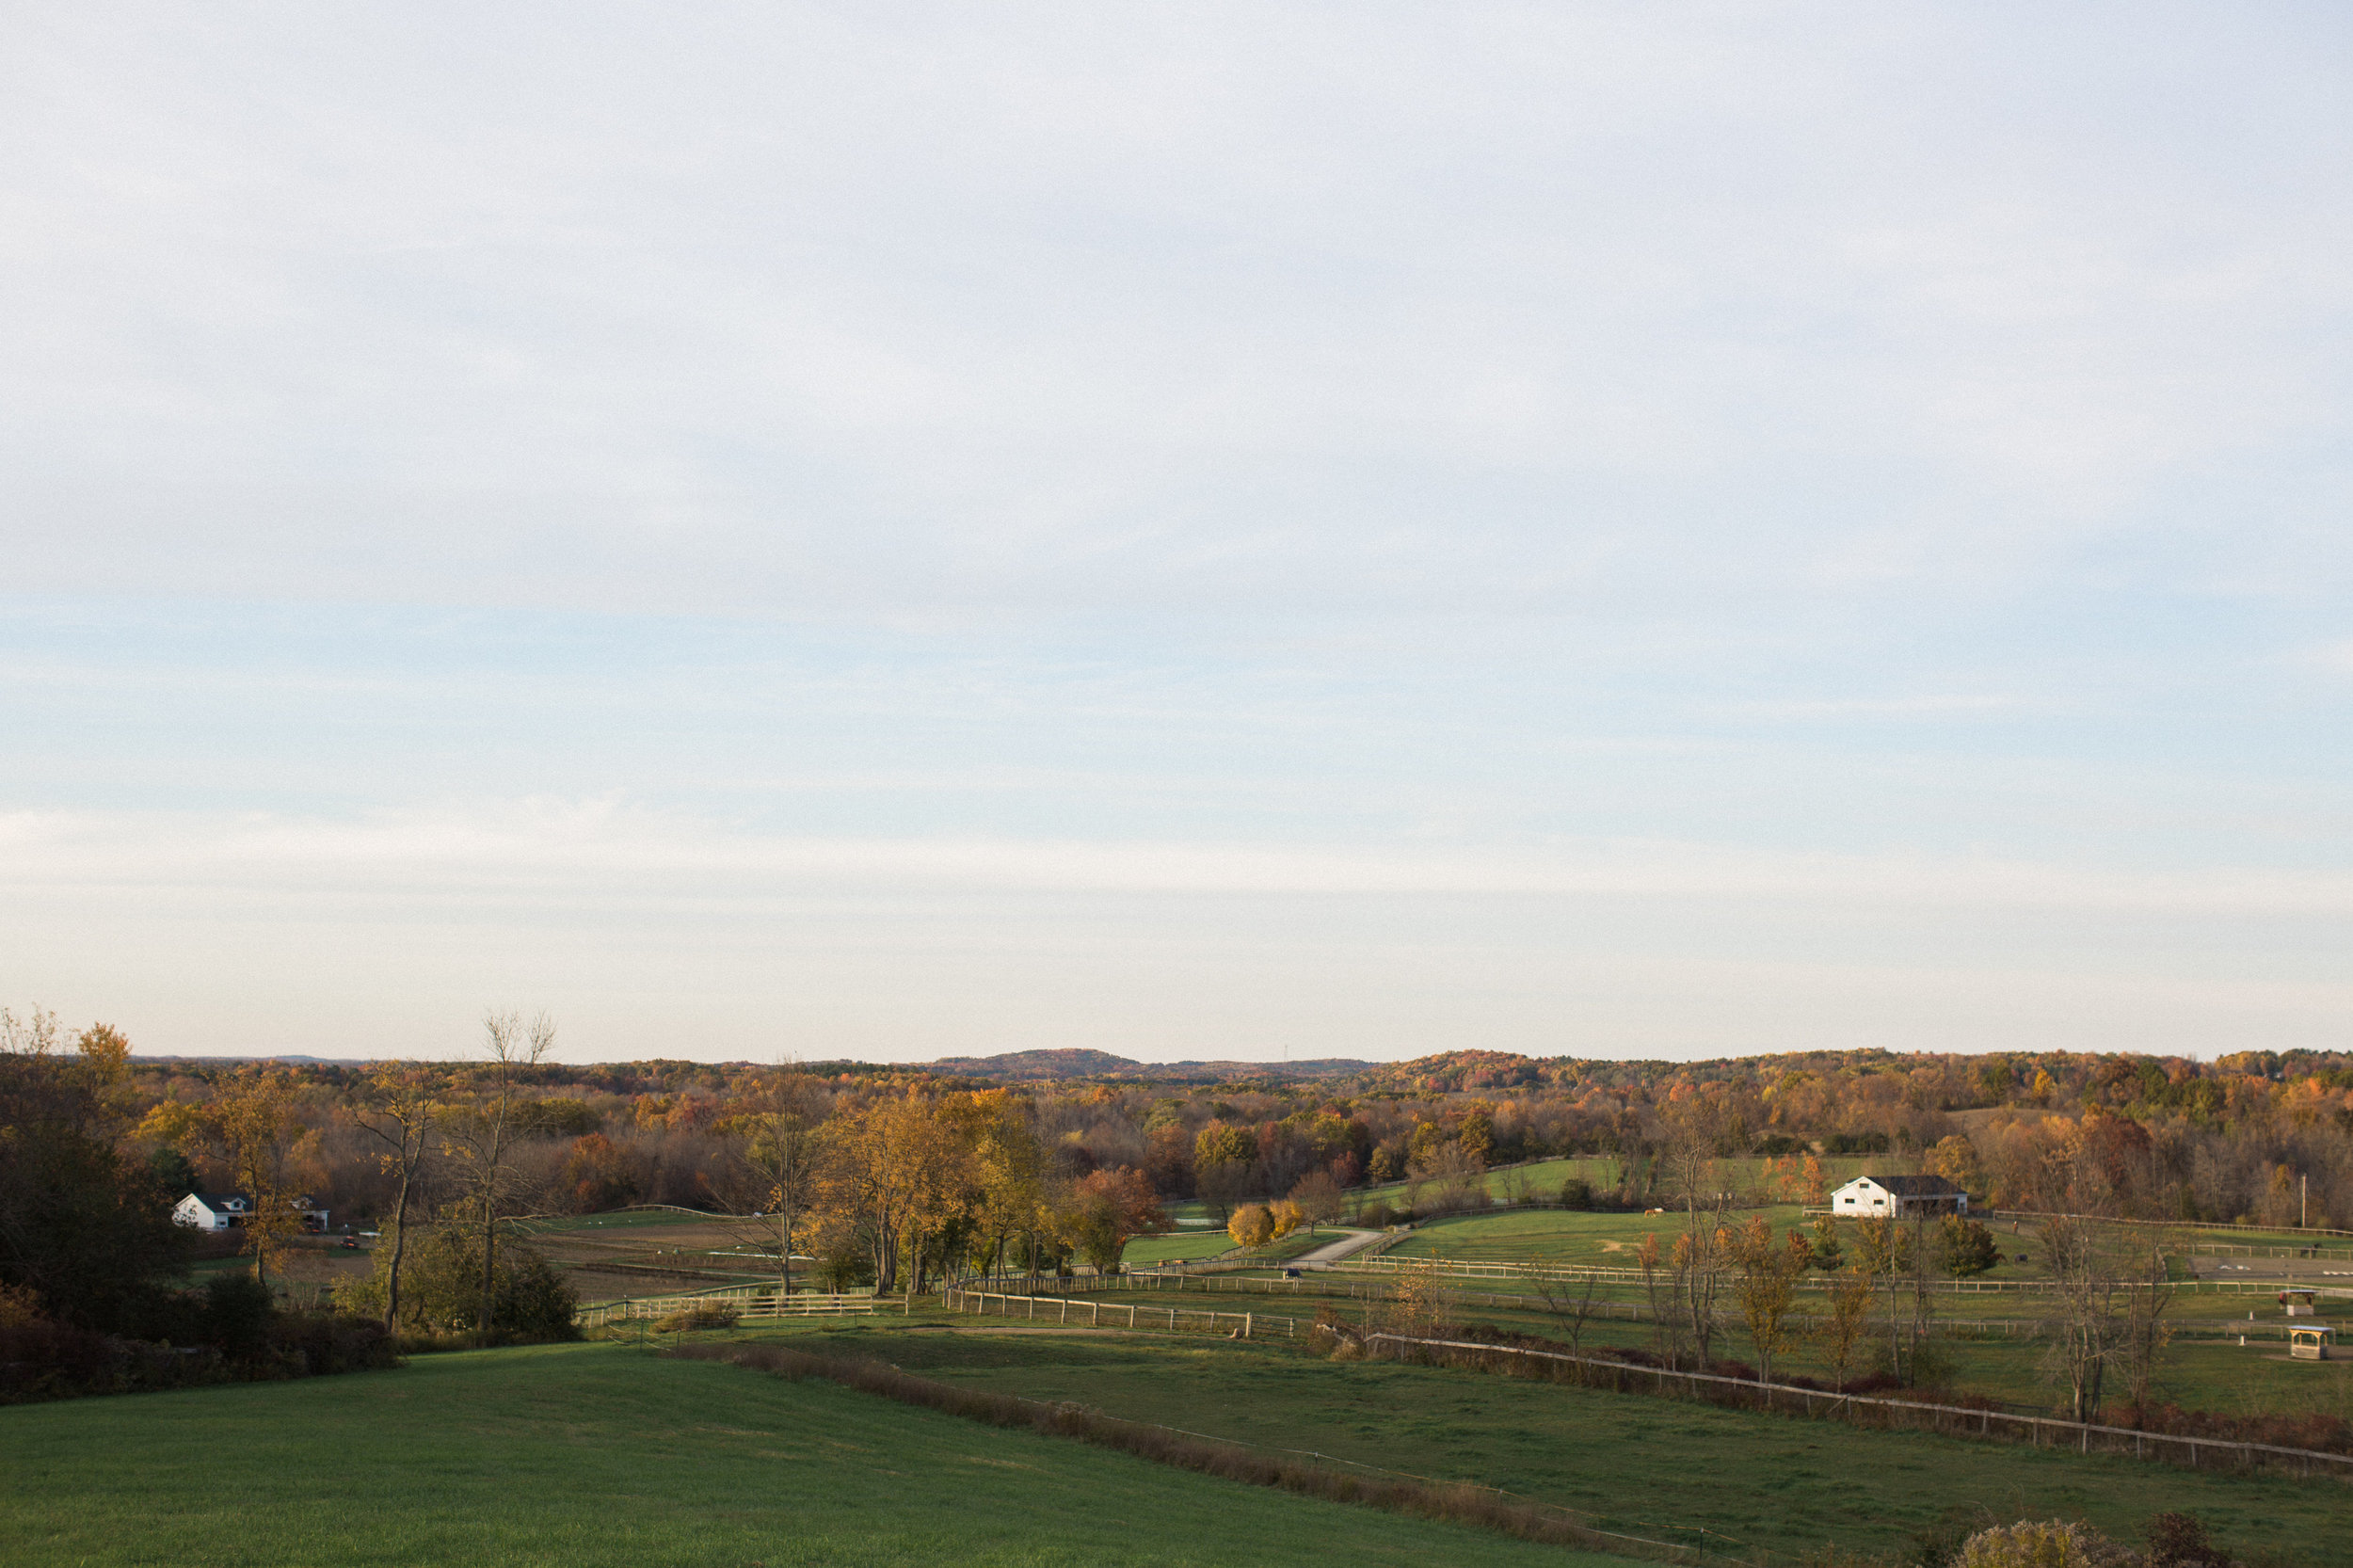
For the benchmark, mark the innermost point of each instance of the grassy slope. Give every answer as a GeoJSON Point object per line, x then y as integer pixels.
{"type": "Point", "coordinates": [1641, 1465]}
{"type": "Point", "coordinates": [582, 1456]}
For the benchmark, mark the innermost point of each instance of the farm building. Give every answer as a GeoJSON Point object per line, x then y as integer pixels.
{"type": "Point", "coordinates": [225, 1211]}
{"type": "Point", "coordinates": [1898, 1196]}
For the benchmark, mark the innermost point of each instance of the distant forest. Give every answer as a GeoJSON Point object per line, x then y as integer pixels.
{"type": "Point", "coordinates": [2258, 1137]}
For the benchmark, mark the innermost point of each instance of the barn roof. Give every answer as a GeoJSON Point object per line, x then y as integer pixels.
{"type": "Point", "coordinates": [1918, 1186]}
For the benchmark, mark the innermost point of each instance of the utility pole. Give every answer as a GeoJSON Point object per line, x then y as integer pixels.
{"type": "Point", "coordinates": [2303, 1201]}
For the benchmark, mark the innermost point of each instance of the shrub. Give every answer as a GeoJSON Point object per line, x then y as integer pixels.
{"type": "Point", "coordinates": [1577, 1192]}
{"type": "Point", "coordinates": [235, 1316]}
{"type": "Point", "coordinates": [2179, 1541]}
{"type": "Point", "coordinates": [2040, 1544]}
{"type": "Point", "coordinates": [441, 1288]}
{"type": "Point", "coordinates": [314, 1344]}
{"type": "Point", "coordinates": [702, 1315]}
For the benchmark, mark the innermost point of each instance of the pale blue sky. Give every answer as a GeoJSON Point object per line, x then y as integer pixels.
{"type": "Point", "coordinates": [1187, 531]}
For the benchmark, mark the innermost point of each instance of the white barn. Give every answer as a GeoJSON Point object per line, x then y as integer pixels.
{"type": "Point", "coordinates": [1898, 1196]}
{"type": "Point", "coordinates": [227, 1211]}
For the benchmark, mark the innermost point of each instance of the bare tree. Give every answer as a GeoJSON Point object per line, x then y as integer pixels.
{"type": "Point", "coordinates": [2086, 1324]}
{"type": "Point", "coordinates": [782, 1146]}
{"type": "Point", "coordinates": [1569, 1308]}
{"type": "Point", "coordinates": [1694, 1129]}
{"type": "Point", "coordinates": [1459, 1174]}
{"type": "Point", "coordinates": [2149, 1293]}
{"type": "Point", "coordinates": [1879, 1250]}
{"type": "Point", "coordinates": [482, 1137]}
{"type": "Point", "coordinates": [1319, 1197]}
{"type": "Point", "coordinates": [397, 1107]}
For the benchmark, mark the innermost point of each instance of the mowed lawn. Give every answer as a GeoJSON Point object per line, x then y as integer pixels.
{"type": "Point", "coordinates": [1660, 1468]}
{"type": "Point", "coordinates": [587, 1455]}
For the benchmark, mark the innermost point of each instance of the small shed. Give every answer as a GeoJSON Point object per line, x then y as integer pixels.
{"type": "Point", "coordinates": [2310, 1341]}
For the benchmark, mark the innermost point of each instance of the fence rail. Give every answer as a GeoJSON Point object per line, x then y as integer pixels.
{"type": "Point", "coordinates": [1577, 1273]}
{"type": "Point", "coordinates": [2197, 1452]}
{"type": "Point", "coordinates": [1325, 1286]}
{"type": "Point", "coordinates": [2087, 1437]}
{"type": "Point", "coordinates": [751, 1302]}
{"type": "Point", "coordinates": [1063, 1310]}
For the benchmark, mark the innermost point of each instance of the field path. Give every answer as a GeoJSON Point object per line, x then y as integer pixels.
{"type": "Point", "coordinates": [1332, 1252]}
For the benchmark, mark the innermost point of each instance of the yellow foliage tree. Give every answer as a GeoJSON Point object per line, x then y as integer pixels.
{"type": "Point", "coordinates": [1253, 1225]}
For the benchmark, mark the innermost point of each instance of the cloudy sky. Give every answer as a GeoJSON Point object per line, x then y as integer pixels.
{"type": "Point", "coordinates": [1186, 530]}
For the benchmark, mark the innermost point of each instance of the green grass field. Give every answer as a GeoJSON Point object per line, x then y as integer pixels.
{"type": "Point", "coordinates": [1543, 1177]}
{"type": "Point", "coordinates": [591, 1455]}
{"type": "Point", "coordinates": [1178, 1246]}
{"type": "Point", "coordinates": [1661, 1469]}
{"type": "Point", "coordinates": [1559, 1234]}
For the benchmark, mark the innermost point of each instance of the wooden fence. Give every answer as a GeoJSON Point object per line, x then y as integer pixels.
{"type": "Point", "coordinates": [1727, 1318]}
{"type": "Point", "coordinates": [752, 1304]}
{"type": "Point", "coordinates": [1578, 1273]}
{"type": "Point", "coordinates": [1067, 1312]}
{"type": "Point", "coordinates": [2039, 1431]}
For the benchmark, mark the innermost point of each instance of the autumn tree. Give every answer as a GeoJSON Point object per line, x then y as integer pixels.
{"type": "Point", "coordinates": [1222, 1158]}
{"type": "Point", "coordinates": [1767, 1271]}
{"type": "Point", "coordinates": [903, 1174]}
{"type": "Point", "coordinates": [480, 1137]}
{"type": "Point", "coordinates": [1848, 1316]}
{"type": "Point", "coordinates": [1319, 1197]}
{"type": "Point", "coordinates": [1955, 1159]}
{"type": "Point", "coordinates": [1107, 1208]}
{"type": "Point", "coordinates": [248, 1127]}
{"type": "Point", "coordinates": [82, 1228]}
{"type": "Point", "coordinates": [1251, 1225]}
{"type": "Point", "coordinates": [1010, 1195]}
{"type": "Point", "coordinates": [397, 1107]}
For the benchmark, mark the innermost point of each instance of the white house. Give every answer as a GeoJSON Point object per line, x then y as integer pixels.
{"type": "Point", "coordinates": [1896, 1196]}
{"type": "Point", "coordinates": [225, 1211]}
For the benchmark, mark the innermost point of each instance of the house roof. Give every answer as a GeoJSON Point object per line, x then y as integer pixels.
{"type": "Point", "coordinates": [221, 1200]}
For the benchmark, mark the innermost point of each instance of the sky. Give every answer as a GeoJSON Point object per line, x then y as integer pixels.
{"type": "Point", "coordinates": [1196, 531]}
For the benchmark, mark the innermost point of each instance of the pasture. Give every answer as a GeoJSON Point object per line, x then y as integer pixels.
{"type": "Point", "coordinates": [601, 1456]}
{"type": "Point", "coordinates": [2203, 1368]}
{"type": "Point", "coordinates": [1542, 1179]}
{"type": "Point", "coordinates": [1662, 1468]}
